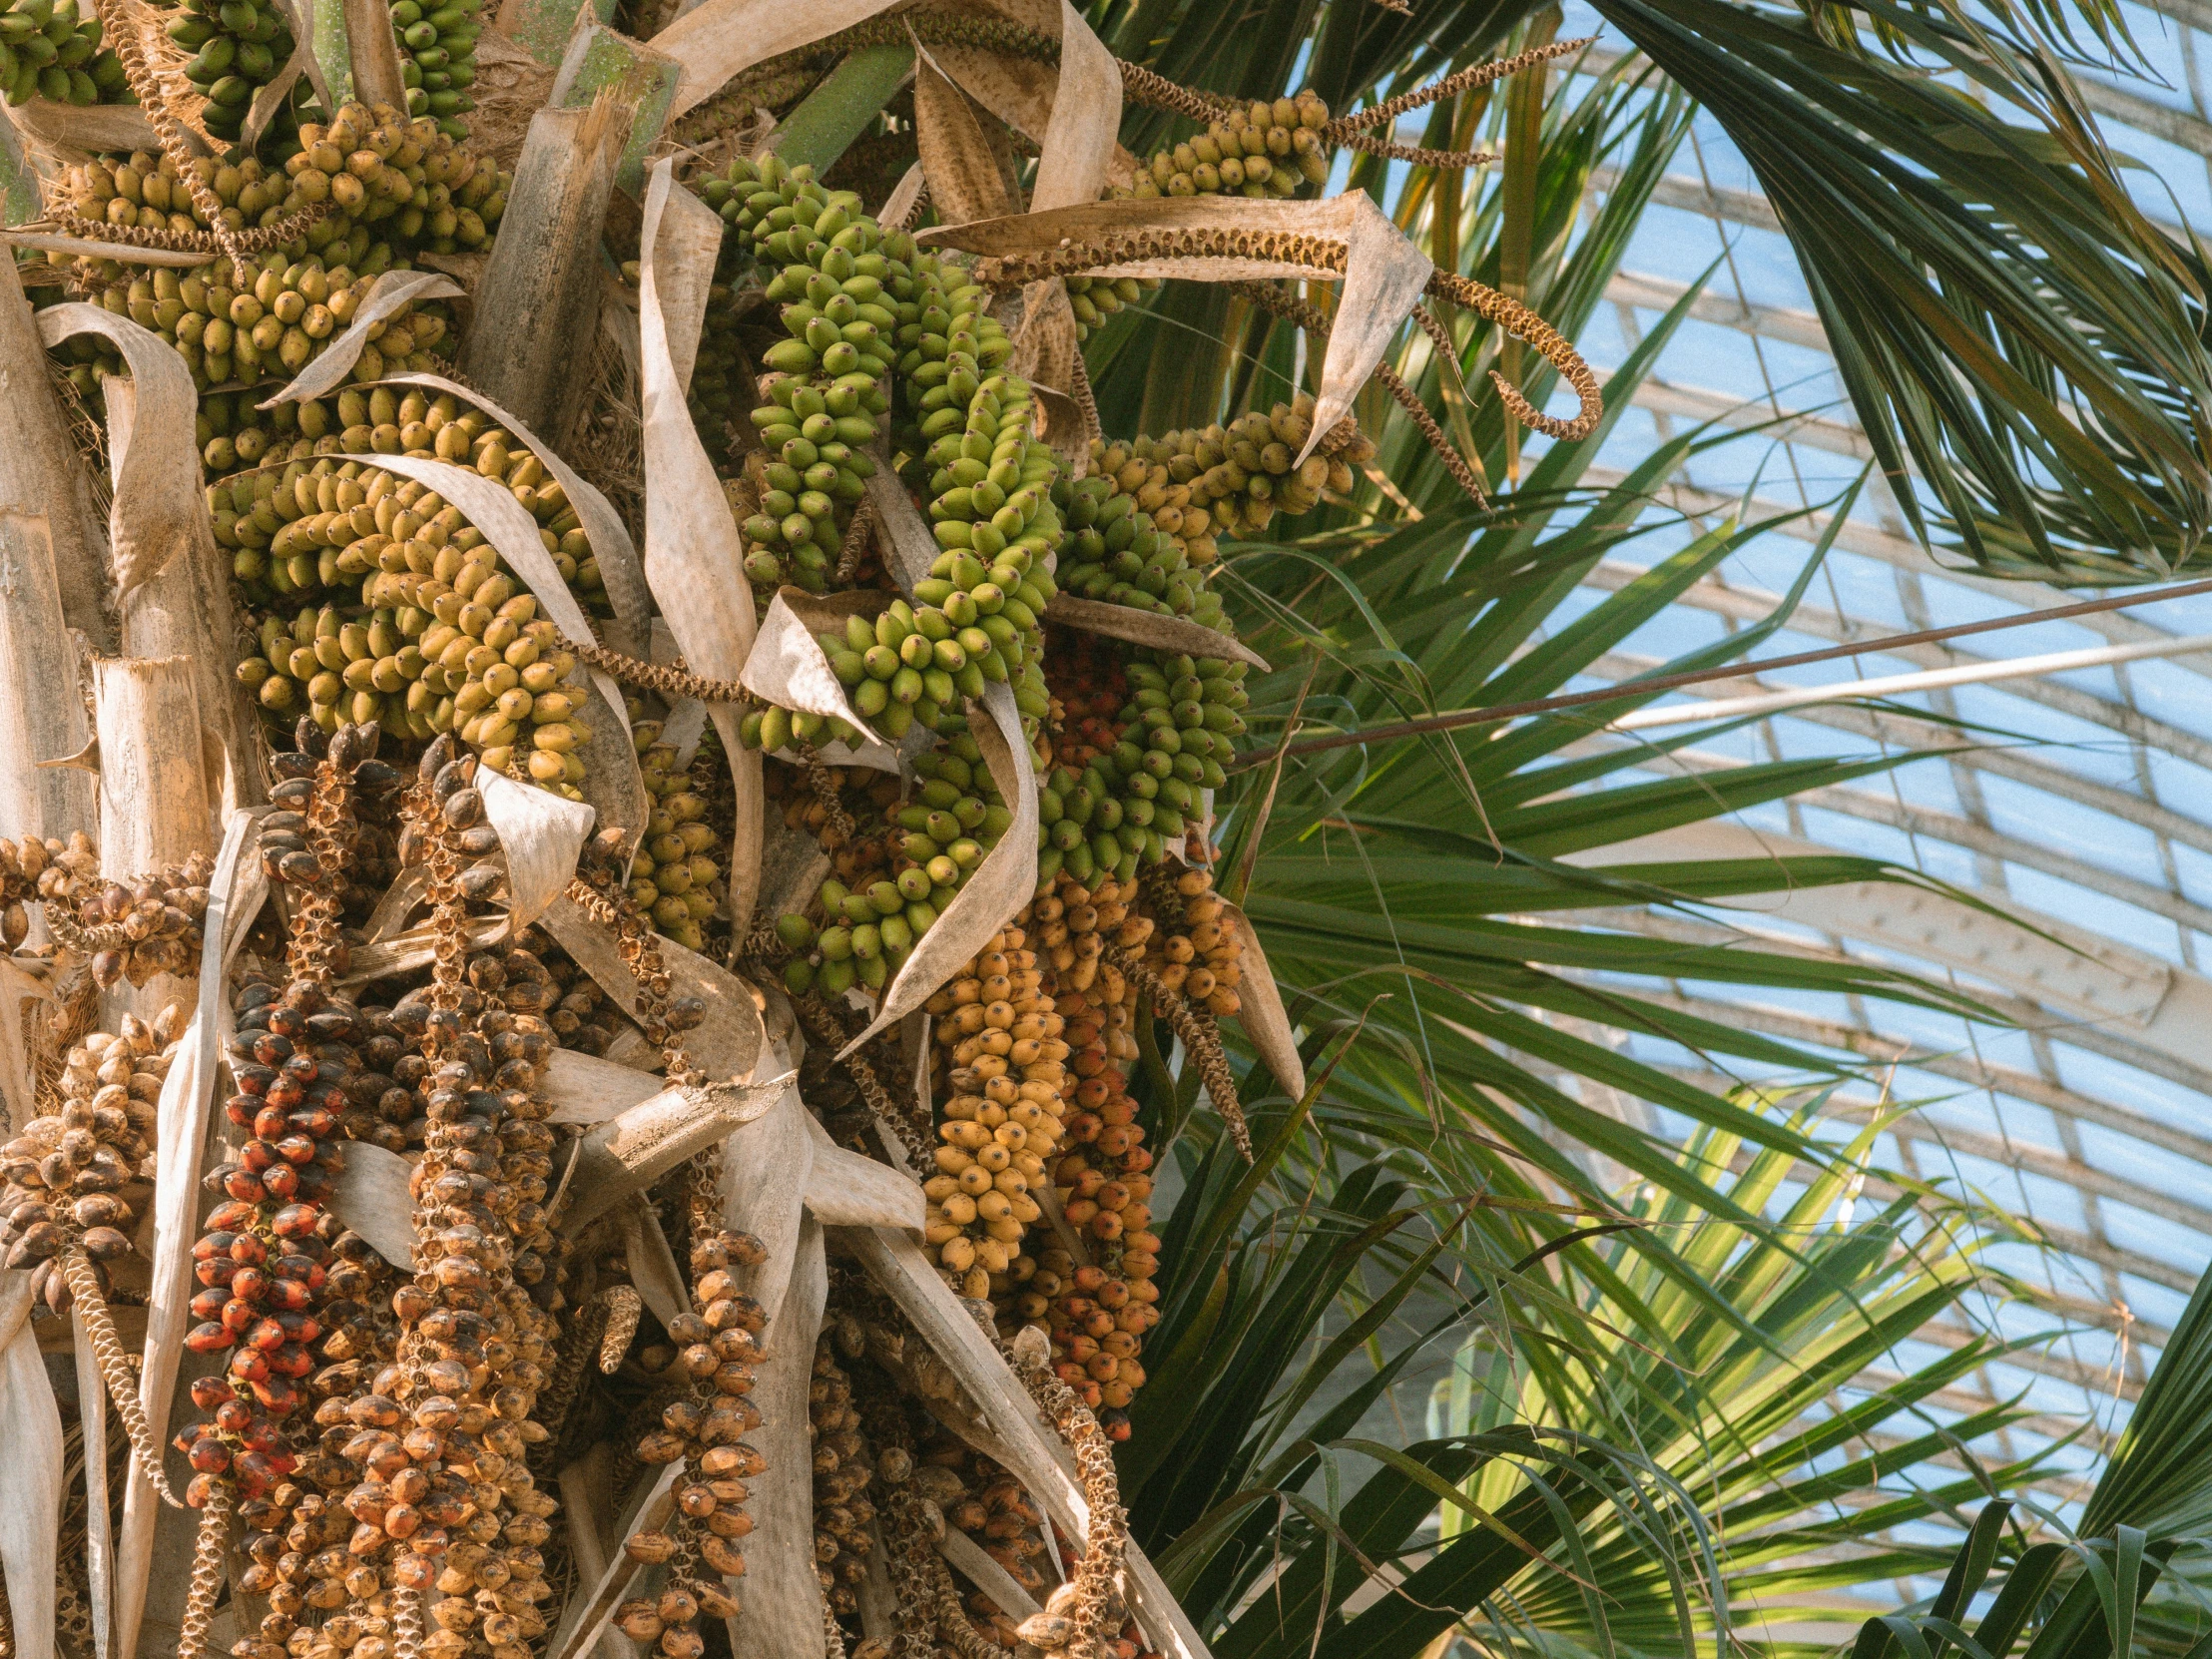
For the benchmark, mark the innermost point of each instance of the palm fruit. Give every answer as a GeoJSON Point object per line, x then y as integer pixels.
{"type": "Point", "coordinates": [842, 1513]}
{"type": "Point", "coordinates": [864, 935]}
{"type": "Point", "coordinates": [989, 484]}
{"type": "Point", "coordinates": [714, 384]}
{"type": "Point", "coordinates": [719, 1350]}
{"type": "Point", "coordinates": [1195, 950]}
{"type": "Point", "coordinates": [1143, 523]}
{"type": "Point", "coordinates": [52, 49]}
{"type": "Point", "coordinates": [380, 166]}
{"type": "Point", "coordinates": [1002, 1069]}
{"type": "Point", "coordinates": [678, 877]}
{"type": "Point", "coordinates": [842, 285]}
{"type": "Point", "coordinates": [1097, 1310]}
{"type": "Point", "coordinates": [233, 433]}
{"type": "Point", "coordinates": [428, 1456]}
{"type": "Point", "coordinates": [136, 929]}
{"type": "Point", "coordinates": [879, 668]}
{"type": "Point", "coordinates": [294, 1064]}
{"type": "Point", "coordinates": [1261, 151]}
{"type": "Point", "coordinates": [776, 729]}
{"type": "Point", "coordinates": [399, 188]}
{"type": "Point", "coordinates": [1095, 299]}
{"type": "Point", "coordinates": [437, 58]}
{"type": "Point", "coordinates": [237, 47]}
{"type": "Point", "coordinates": [68, 1172]}
{"type": "Point", "coordinates": [1128, 802]}
{"type": "Point", "coordinates": [1116, 552]}
{"type": "Point", "coordinates": [403, 584]}
{"type": "Point", "coordinates": [54, 872]}
{"type": "Point", "coordinates": [976, 1496]}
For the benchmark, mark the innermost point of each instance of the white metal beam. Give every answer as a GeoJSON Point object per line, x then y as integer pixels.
{"type": "Point", "coordinates": [1952, 829]}
{"type": "Point", "coordinates": [2061, 968]}
{"type": "Point", "coordinates": [1902, 730]}
{"type": "Point", "coordinates": [1978, 672]}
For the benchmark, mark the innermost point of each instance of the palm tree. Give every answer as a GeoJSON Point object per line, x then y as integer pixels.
{"type": "Point", "coordinates": [1677, 1416]}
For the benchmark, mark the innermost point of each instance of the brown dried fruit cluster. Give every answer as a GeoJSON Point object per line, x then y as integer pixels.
{"type": "Point", "coordinates": [720, 1350]}
{"type": "Point", "coordinates": [1100, 1308]}
{"type": "Point", "coordinates": [842, 1476]}
{"type": "Point", "coordinates": [1003, 1065]}
{"type": "Point", "coordinates": [67, 1172]}
{"type": "Point", "coordinates": [439, 1492]}
{"type": "Point", "coordinates": [34, 869]}
{"type": "Point", "coordinates": [978, 1497]}
{"type": "Point", "coordinates": [126, 929]}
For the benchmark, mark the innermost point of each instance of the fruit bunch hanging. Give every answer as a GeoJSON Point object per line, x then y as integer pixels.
{"type": "Point", "coordinates": [446, 1292]}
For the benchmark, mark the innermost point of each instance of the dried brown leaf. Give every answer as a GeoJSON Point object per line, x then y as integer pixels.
{"type": "Point", "coordinates": [185, 1111]}
{"type": "Point", "coordinates": [1261, 1010]}
{"type": "Point", "coordinates": [725, 1047]}
{"type": "Point", "coordinates": [958, 156]}
{"type": "Point", "coordinates": [713, 42]}
{"type": "Point", "coordinates": [789, 667]}
{"type": "Point", "coordinates": [541, 834]}
{"type": "Point", "coordinates": [159, 508]}
{"type": "Point", "coordinates": [844, 1189]}
{"type": "Point", "coordinates": [763, 1181]}
{"type": "Point", "coordinates": [694, 561]}
{"type": "Point", "coordinates": [1382, 273]}
{"type": "Point", "coordinates": [1150, 628]}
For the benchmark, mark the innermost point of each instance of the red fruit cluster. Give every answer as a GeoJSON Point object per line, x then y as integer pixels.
{"type": "Point", "coordinates": [261, 1260]}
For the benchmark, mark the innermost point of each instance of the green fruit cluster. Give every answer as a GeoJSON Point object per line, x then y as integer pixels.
{"type": "Point", "coordinates": [301, 295]}
{"type": "Point", "coordinates": [492, 674]}
{"type": "Point", "coordinates": [237, 47]}
{"type": "Point", "coordinates": [894, 664]}
{"type": "Point", "coordinates": [437, 58]}
{"type": "Point", "coordinates": [988, 481]}
{"type": "Point", "coordinates": [677, 878]}
{"type": "Point", "coordinates": [47, 50]}
{"type": "Point", "coordinates": [775, 730]}
{"type": "Point", "coordinates": [1095, 299]}
{"type": "Point", "coordinates": [1146, 517]}
{"type": "Point", "coordinates": [714, 383]}
{"type": "Point", "coordinates": [843, 288]}
{"type": "Point", "coordinates": [1115, 552]}
{"type": "Point", "coordinates": [1134, 801]}
{"type": "Point", "coordinates": [233, 433]}
{"type": "Point", "coordinates": [954, 820]}
{"type": "Point", "coordinates": [296, 530]}
{"type": "Point", "coordinates": [380, 166]}
{"type": "Point", "coordinates": [276, 324]}
{"type": "Point", "coordinates": [377, 600]}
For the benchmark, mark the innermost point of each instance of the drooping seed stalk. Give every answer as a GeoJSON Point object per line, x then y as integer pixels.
{"type": "Point", "coordinates": [209, 1547]}
{"type": "Point", "coordinates": [115, 1368]}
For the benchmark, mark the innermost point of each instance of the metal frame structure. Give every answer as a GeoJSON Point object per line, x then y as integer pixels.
{"type": "Point", "coordinates": [2088, 1119]}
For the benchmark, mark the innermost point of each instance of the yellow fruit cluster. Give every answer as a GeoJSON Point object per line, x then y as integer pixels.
{"type": "Point", "coordinates": [678, 877]}
{"type": "Point", "coordinates": [1004, 1061]}
{"type": "Point", "coordinates": [1197, 952]}
{"type": "Point", "coordinates": [1231, 480]}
